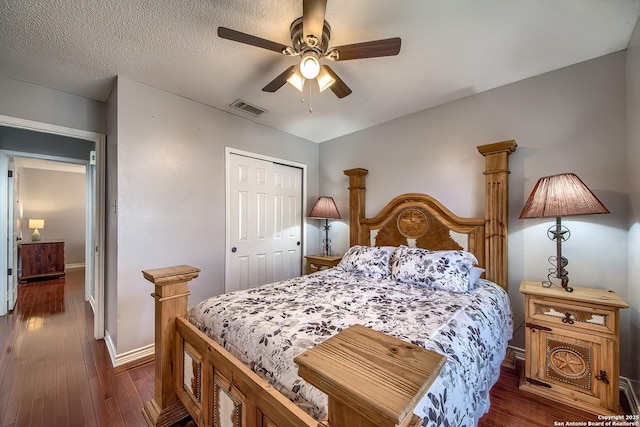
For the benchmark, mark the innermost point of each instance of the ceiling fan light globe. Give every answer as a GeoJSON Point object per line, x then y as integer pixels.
{"type": "Point", "coordinates": [309, 66]}
{"type": "Point", "coordinates": [324, 79]}
{"type": "Point", "coordinates": [296, 80]}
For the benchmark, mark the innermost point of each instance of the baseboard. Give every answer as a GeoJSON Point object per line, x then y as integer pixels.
{"type": "Point", "coordinates": [627, 388]}
{"type": "Point", "coordinates": [74, 267]}
{"type": "Point", "coordinates": [92, 303]}
{"type": "Point", "coordinates": [626, 385]}
{"type": "Point", "coordinates": [517, 352]}
{"type": "Point", "coordinates": [130, 358]}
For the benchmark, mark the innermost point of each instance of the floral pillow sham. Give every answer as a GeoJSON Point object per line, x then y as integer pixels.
{"type": "Point", "coordinates": [369, 261]}
{"type": "Point", "coordinates": [446, 270]}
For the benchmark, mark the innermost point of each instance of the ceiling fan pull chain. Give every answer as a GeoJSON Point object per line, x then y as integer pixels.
{"type": "Point", "coordinates": [310, 109]}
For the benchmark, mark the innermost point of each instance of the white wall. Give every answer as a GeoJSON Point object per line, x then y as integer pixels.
{"type": "Point", "coordinates": [59, 198]}
{"type": "Point", "coordinates": [570, 120]}
{"type": "Point", "coordinates": [633, 157]}
{"type": "Point", "coordinates": [170, 182]}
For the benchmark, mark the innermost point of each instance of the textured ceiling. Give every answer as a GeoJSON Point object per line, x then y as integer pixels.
{"type": "Point", "coordinates": [450, 49]}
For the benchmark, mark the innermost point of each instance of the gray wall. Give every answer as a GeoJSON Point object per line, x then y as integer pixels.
{"type": "Point", "coordinates": [32, 102]}
{"type": "Point", "coordinates": [633, 156]}
{"type": "Point", "coordinates": [570, 120]}
{"type": "Point", "coordinates": [58, 197]}
{"type": "Point", "coordinates": [171, 174]}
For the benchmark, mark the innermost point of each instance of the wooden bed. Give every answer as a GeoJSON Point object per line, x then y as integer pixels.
{"type": "Point", "coordinates": [196, 376]}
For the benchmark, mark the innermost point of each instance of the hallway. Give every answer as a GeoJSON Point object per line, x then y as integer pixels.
{"type": "Point", "coordinates": [52, 371]}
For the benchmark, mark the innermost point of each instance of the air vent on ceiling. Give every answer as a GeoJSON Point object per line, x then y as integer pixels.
{"type": "Point", "coordinates": [241, 105]}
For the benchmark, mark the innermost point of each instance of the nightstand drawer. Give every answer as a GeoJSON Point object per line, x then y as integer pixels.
{"type": "Point", "coordinates": [572, 314]}
{"type": "Point", "coordinates": [320, 262]}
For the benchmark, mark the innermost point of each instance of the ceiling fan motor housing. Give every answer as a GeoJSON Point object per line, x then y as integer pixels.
{"type": "Point", "coordinates": [300, 45]}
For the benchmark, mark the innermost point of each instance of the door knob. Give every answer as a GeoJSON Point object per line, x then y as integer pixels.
{"type": "Point", "coordinates": [234, 249]}
{"type": "Point", "coordinates": [298, 243]}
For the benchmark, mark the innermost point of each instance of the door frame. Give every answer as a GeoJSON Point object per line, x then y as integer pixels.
{"type": "Point", "coordinates": [228, 151]}
{"type": "Point", "coordinates": [95, 235]}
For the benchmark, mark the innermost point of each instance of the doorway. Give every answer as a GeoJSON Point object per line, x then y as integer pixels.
{"type": "Point", "coordinates": [94, 220]}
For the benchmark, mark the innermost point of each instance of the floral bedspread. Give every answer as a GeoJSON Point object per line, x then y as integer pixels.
{"type": "Point", "coordinates": [267, 327]}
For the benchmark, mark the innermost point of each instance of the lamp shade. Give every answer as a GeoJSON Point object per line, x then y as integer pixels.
{"type": "Point", "coordinates": [324, 208]}
{"type": "Point", "coordinates": [36, 223]}
{"type": "Point", "coordinates": [561, 195]}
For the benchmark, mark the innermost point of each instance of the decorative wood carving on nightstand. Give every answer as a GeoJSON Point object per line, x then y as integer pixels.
{"type": "Point", "coordinates": [572, 346]}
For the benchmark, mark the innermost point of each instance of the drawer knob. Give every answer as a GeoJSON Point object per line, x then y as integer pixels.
{"type": "Point", "coordinates": [568, 318]}
{"type": "Point", "coordinates": [603, 377]}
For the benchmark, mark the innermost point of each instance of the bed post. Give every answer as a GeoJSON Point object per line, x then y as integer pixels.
{"type": "Point", "coordinates": [171, 297]}
{"type": "Point", "coordinates": [357, 189]}
{"type": "Point", "coordinates": [496, 205]}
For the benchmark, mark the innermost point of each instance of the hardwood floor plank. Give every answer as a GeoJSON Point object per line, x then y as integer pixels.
{"type": "Point", "coordinates": [115, 417]}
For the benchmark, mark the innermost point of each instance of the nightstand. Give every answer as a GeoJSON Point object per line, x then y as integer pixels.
{"type": "Point", "coordinates": [320, 262]}
{"type": "Point", "coordinates": [572, 350]}
{"type": "Point", "coordinates": [40, 260]}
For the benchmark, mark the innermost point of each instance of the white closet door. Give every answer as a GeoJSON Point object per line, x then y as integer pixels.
{"type": "Point", "coordinates": [265, 222]}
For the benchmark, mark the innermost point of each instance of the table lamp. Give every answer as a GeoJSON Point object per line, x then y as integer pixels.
{"type": "Point", "coordinates": [557, 196]}
{"type": "Point", "coordinates": [325, 208]}
{"type": "Point", "coordinates": [36, 224]}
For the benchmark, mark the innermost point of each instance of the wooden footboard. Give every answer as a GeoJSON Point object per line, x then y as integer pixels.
{"type": "Point", "coordinates": [197, 377]}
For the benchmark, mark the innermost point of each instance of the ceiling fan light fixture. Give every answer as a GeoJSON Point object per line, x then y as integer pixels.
{"type": "Point", "coordinates": [309, 65]}
{"type": "Point", "coordinates": [324, 79]}
{"type": "Point", "coordinates": [296, 80]}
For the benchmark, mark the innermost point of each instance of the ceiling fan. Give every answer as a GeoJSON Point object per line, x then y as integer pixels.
{"type": "Point", "coordinates": [310, 37]}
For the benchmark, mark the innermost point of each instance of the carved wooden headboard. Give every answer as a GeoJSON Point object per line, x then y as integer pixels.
{"type": "Point", "coordinates": [419, 220]}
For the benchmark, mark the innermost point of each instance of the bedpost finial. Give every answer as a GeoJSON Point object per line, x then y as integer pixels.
{"type": "Point", "coordinates": [496, 147]}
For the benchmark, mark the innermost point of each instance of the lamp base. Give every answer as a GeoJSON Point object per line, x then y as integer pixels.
{"type": "Point", "coordinates": [35, 237]}
{"type": "Point", "coordinates": [548, 283]}
{"type": "Point", "coordinates": [326, 243]}
{"type": "Point", "coordinates": [558, 234]}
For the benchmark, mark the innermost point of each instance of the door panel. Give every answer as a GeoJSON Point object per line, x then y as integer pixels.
{"type": "Point", "coordinates": [265, 222]}
{"type": "Point", "coordinates": [288, 220]}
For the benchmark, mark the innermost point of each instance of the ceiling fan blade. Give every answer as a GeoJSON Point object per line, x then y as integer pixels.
{"type": "Point", "coordinates": [313, 12]}
{"type": "Point", "coordinates": [279, 81]}
{"type": "Point", "coordinates": [237, 36]}
{"type": "Point", "coordinates": [338, 87]}
{"type": "Point", "coordinates": [372, 49]}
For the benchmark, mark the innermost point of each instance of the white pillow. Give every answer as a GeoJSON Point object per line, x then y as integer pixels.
{"type": "Point", "coordinates": [447, 270]}
{"type": "Point", "coordinates": [369, 261]}
{"type": "Point", "coordinates": [474, 275]}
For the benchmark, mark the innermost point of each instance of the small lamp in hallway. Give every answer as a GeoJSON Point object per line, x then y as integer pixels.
{"type": "Point", "coordinates": [36, 224]}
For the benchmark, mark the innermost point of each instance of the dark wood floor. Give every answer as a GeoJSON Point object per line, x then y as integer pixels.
{"type": "Point", "coordinates": [53, 373]}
